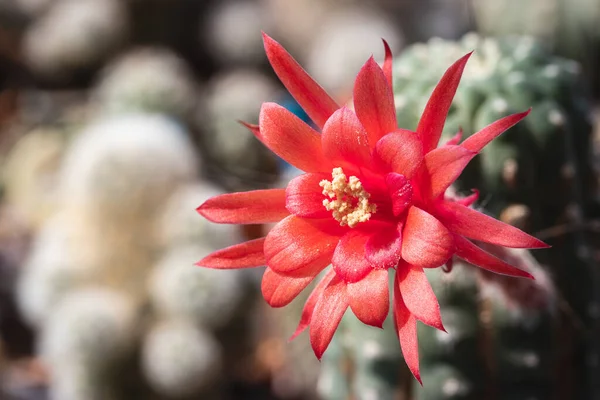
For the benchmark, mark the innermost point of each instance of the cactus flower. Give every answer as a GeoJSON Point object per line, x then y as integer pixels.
{"type": "Point", "coordinates": [372, 199]}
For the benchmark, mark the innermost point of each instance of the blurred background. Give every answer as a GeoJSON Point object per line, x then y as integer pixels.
{"type": "Point", "coordinates": [119, 117]}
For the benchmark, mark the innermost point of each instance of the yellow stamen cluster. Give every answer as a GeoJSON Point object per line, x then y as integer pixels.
{"type": "Point", "coordinates": [343, 193]}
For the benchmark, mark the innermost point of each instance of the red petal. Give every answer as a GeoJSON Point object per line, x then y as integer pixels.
{"type": "Point", "coordinates": [299, 247]}
{"type": "Point", "coordinates": [470, 199]}
{"type": "Point", "coordinates": [400, 191]}
{"type": "Point", "coordinates": [406, 327]}
{"type": "Point", "coordinates": [400, 151]}
{"type": "Point", "coordinates": [475, 225]}
{"type": "Point", "coordinates": [279, 290]}
{"type": "Point", "coordinates": [292, 139]}
{"type": "Point", "coordinates": [254, 207]}
{"type": "Point", "coordinates": [432, 121]}
{"type": "Point", "coordinates": [311, 302]}
{"type": "Point", "coordinates": [443, 166]}
{"type": "Point", "coordinates": [418, 295]}
{"type": "Point", "coordinates": [349, 260]}
{"type": "Point", "coordinates": [369, 298]}
{"type": "Point", "coordinates": [255, 129]}
{"type": "Point", "coordinates": [387, 64]}
{"type": "Point", "coordinates": [312, 98]}
{"type": "Point", "coordinates": [374, 102]}
{"type": "Point", "coordinates": [425, 241]}
{"type": "Point", "coordinates": [384, 247]}
{"type": "Point", "coordinates": [304, 197]}
{"type": "Point", "coordinates": [479, 140]}
{"type": "Point", "coordinates": [477, 256]}
{"type": "Point", "coordinates": [243, 255]}
{"type": "Point", "coordinates": [327, 315]}
{"type": "Point", "coordinates": [454, 140]}
{"type": "Point", "coordinates": [344, 139]}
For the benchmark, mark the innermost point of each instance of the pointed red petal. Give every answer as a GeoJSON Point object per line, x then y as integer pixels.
{"type": "Point", "coordinates": [311, 302]}
{"type": "Point", "coordinates": [384, 247]}
{"type": "Point", "coordinates": [454, 140]}
{"type": "Point", "coordinates": [369, 298]}
{"type": "Point", "coordinates": [327, 315]}
{"type": "Point", "coordinates": [255, 129]}
{"type": "Point", "coordinates": [400, 191]}
{"type": "Point", "coordinates": [475, 225]}
{"type": "Point", "coordinates": [254, 207]}
{"type": "Point", "coordinates": [470, 199]}
{"type": "Point", "coordinates": [304, 197]}
{"type": "Point", "coordinates": [374, 102]}
{"type": "Point", "coordinates": [443, 166]}
{"type": "Point", "coordinates": [244, 255]}
{"type": "Point", "coordinates": [349, 260]}
{"type": "Point", "coordinates": [345, 140]}
{"type": "Point", "coordinates": [279, 290]}
{"type": "Point", "coordinates": [418, 295]}
{"type": "Point", "coordinates": [312, 98]}
{"type": "Point", "coordinates": [406, 328]}
{"type": "Point", "coordinates": [479, 140]}
{"type": "Point", "coordinates": [425, 241]}
{"type": "Point", "coordinates": [477, 256]}
{"type": "Point", "coordinates": [292, 139]}
{"type": "Point", "coordinates": [387, 63]}
{"type": "Point", "coordinates": [400, 151]}
{"type": "Point", "coordinates": [299, 247]}
{"type": "Point", "coordinates": [432, 121]}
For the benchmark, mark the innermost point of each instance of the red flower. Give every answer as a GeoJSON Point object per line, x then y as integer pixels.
{"type": "Point", "coordinates": [372, 199]}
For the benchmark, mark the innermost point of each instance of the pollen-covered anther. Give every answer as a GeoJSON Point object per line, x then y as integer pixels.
{"type": "Point", "coordinates": [348, 200]}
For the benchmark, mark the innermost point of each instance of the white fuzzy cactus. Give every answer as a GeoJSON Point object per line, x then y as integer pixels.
{"type": "Point", "coordinates": [180, 224]}
{"type": "Point", "coordinates": [125, 168]}
{"type": "Point", "coordinates": [205, 296]}
{"type": "Point", "coordinates": [93, 326]}
{"type": "Point", "coordinates": [149, 80]}
{"type": "Point", "coordinates": [232, 31]}
{"type": "Point", "coordinates": [75, 34]}
{"type": "Point", "coordinates": [233, 147]}
{"type": "Point", "coordinates": [180, 359]}
{"type": "Point", "coordinates": [345, 41]}
{"type": "Point", "coordinates": [29, 174]}
{"type": "Point", "coordinates": [77, 382]}
{"type": "Point", "coordinates": [52, 269]}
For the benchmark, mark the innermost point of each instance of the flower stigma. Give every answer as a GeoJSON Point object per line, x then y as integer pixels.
{"type": "Point", "coordinates": [348, 200]}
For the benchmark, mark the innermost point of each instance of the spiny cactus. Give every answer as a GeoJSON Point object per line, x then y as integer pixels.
{"type": "Point", "coordinates": [569, 27]}
{"type": "Point", "coordinates": [147, 79]}
{"type": "Point", "coordinates": [53, 268]}
{"type": "Point", "coordinates": [74, 35]}
{"type": "Point", "coordinates": [29, 174]}
{"type": "Point", "coordinates": [538, 175]}
{"type": "Point", "coordinates": [344, 41]}
{"type": "Point", "coordinates": [126, 167]}
{"type": "Point", "coordinates": [94, 325]}
{"type": "Point", "coordinates": [207, 297]}
{"type": "Point", "coordinates": [180, 359]}
{"type": "Point", "coordinates": [178, 225]}
{"type": "Point", "coordinates": [242, 45]}
{"type": "Point", "coordinates": [236, 158]}
{"type": "Point", "coordinates": [504, 76]}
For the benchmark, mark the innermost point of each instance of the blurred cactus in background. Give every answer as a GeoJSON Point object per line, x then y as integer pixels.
{"type": "Point", "coordinates": [74, 35]}
{"type": "Point", "coordinates": [147, 80]}
{"type": "Point", "coordinates": [569, 27]}
{"type": "Point", "coordinates": [235, 154]}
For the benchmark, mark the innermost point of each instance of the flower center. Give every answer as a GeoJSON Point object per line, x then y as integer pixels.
{"type": "Point", "coordinates": [348, 200]}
